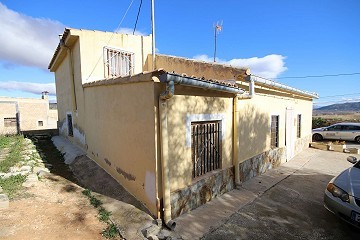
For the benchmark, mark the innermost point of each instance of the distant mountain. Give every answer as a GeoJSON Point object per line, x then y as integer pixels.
{"type": "Point", "coordinates": [341, 107]}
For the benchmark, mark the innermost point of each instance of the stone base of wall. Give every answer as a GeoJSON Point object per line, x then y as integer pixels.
{"type": "Point", "coordinates": [202, 191]}
{"type": "Point", "coordinates": [302, 143]}
{"type": "Point", "coordinates": [261, 163]}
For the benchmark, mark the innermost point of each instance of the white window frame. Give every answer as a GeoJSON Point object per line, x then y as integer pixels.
{"type": "Point", "coordinates": [118, 63]}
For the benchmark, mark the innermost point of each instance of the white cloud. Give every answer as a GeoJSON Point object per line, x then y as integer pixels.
{"type": "Point", "coordinates": [26, 40]}
{"type": "Point", "coordinates": [270, 66]}
{"type": "Point", "coordinates": [35, 88]}
{"type": "Point", "coordinates": [130, 31]}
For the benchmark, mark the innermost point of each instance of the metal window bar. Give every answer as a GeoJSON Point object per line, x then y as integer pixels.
{"type": "Point", "coordinates": [119, 63]}
{"type": "Point", "coordinates": [274, 131]}
{"type": "Point", "coordinates": [299, 126]}
{"type": "Point", "coordinates": [205, 147]}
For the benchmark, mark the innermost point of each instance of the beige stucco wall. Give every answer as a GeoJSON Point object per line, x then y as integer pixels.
{"type": "Point", "coordinates": [92, 45]}
{"type": "Point", "coordinates": [182, 110]}
{"type": "Point", "coordinates": [254, 119]}
{"type": "Point", "coordinates": [31, 111]}
{"type": "Point", "coordinates": [7, 110]}
{"type": "Point", "coordinates": [120, 130]}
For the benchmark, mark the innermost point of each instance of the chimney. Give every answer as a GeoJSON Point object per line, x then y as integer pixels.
{"type": "Point", "coordinates": [45, 95]}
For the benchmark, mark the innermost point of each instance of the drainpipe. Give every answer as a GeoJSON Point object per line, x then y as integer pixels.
{"type": "Point", "coordinates": [251, 93]}
{"type": "Point", "coordinates": [235, 142]}
{"type": "Point", "coordinates": [165, 160]}
{"type": "Point", "coordinates": [171, 79]}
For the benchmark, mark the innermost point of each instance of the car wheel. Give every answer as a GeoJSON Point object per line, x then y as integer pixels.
{"type": "Point", "coordinates": [317, 137]}
{"type": "Point", "coordinates": [357, 139]}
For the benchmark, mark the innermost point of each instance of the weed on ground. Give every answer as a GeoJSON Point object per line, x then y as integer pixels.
{"type": "Point", "coordinates": [14, 155]}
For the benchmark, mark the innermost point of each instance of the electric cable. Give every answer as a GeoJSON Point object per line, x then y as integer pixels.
{"type": "Point", "coordinates": [111, 37]}
{"type": "Point", "coordinates": [325, 75]}
{"type": "Point", "coordinates": [137, 17]}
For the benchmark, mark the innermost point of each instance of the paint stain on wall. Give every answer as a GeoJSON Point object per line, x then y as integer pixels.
{"type": "Point", "coordinates": [107, 161]}
{"type": "Point", "coordinates": [126, 175]}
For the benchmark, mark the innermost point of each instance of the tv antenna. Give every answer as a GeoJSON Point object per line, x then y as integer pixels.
{"type": "Point", "coordinates": [217, 30]}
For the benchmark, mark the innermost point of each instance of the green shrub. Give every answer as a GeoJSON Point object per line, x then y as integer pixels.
{"type": "Point", "coordinates": [110, 231]}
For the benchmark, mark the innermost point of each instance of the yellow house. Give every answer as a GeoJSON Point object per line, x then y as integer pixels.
{"type": "Point", "coordinates": [177, 136]}
{"type": "Point", "coordinates": [18, 115]}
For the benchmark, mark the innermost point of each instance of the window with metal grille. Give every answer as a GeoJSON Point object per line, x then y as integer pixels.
{"type": "Point", "coordinates": [10, 122]}
{"type": "Point", "coordinates": [299, 125]}
{"type": "Point", "coordinates": [274, 131]}
{"type": "Point", "coordinates": [118, 63]}
{"type": "Point", "coordinates": [70, 125]}
{"type": "Point", "coordinates": [206, 147]}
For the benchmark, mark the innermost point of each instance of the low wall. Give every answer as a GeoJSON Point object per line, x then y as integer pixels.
{"type": "Point", "coordinates": [259, 164]}
{"type": "Point", "coordinates": [202, 191]}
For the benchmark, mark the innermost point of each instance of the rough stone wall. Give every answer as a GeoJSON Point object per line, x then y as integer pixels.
{"type": "Point", "coordinates": [261, 163]}
{"type": "Point", "coordinates": [202, 191]}
{"type": "Point", "coordinates": [302, 143]}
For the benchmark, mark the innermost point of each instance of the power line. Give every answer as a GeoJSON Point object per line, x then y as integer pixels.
{"type": "Point", "coordinates": [111, 37]}
{"type": "Point", "coordinates": [342, 95]}
{"type": "Point", "coordinates": [325, 75]}
{"type": "Point", "coordinates": [137, 17]}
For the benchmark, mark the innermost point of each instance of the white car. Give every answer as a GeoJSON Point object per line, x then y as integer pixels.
{"type": "Point", "coordinates": [342, 194]}
{"type": "Point", "coordinates": [340, 131]}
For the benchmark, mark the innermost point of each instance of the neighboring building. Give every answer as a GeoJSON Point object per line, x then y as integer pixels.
{"type": "Point", "coordinates": [174, 138]}
{"type": "Point", "coordinates": [26, 114]}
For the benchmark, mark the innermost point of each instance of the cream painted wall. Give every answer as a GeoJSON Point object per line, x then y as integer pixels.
{"type": "Point", "coordinates": [182, 110]}
{"type": "Point", "coordinates": [120, 129]}
{"type": "Point", "coordinates": [92, 45]}
{"type": "Point", "coordinates": [254, 118]}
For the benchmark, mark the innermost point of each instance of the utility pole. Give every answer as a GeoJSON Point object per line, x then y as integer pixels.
{"type": "Point", "coordinates": [153, 34]}
{"type": "Point", "coordinates": [217, 30]}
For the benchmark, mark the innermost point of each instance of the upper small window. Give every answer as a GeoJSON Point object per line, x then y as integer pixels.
{"type": "Point", "coordinates": [40, 123]}
{"type": "Point", "coordinates": [118, 63]}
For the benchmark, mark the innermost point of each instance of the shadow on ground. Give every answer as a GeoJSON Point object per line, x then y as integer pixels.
{"type": "Point", "coordinates": [83, 172]}
{"type": "Point", "coordinates": [292, 209]}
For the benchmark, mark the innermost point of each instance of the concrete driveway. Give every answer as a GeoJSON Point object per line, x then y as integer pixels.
{"type": "Point", "coordinates": [283, 203]}
{"type": "Point", "coordinates": [292, 208]}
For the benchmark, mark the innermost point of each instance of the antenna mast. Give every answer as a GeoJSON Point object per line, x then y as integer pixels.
{"type": "Point", "coordinates": [217, 30]}
{"type": "Point", "coordinates": [153, 34]}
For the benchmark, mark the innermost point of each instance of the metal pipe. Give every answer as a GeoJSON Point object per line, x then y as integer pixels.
{"type": "Point", "coordinates": [277, 85]}
{"type": "Point", "coordinates": [170, 89]}
{"type": "Point", "coordinates": [193, 82]}
{"type": "Point", "coordinates": [235, 143]}
{"type": "Point", "coordinates": [164, 164]}
{"type": "Point", "coordinates": [153, 34]}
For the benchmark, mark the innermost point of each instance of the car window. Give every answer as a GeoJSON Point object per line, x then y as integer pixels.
{"type": "Point", "coordinates": [353, 128]}
{"type": "Point", "coordinates": [335, 128]}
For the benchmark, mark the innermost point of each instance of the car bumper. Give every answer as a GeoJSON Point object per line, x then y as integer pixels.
{"type": "Point", "coordinates": [341, 209]}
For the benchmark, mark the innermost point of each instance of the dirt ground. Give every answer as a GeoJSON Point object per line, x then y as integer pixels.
{"type": "Point", "coordinates": [54, 208]}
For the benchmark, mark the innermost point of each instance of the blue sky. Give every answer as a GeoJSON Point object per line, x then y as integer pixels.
{"type": "Point", "coordinates": [275, 38]}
